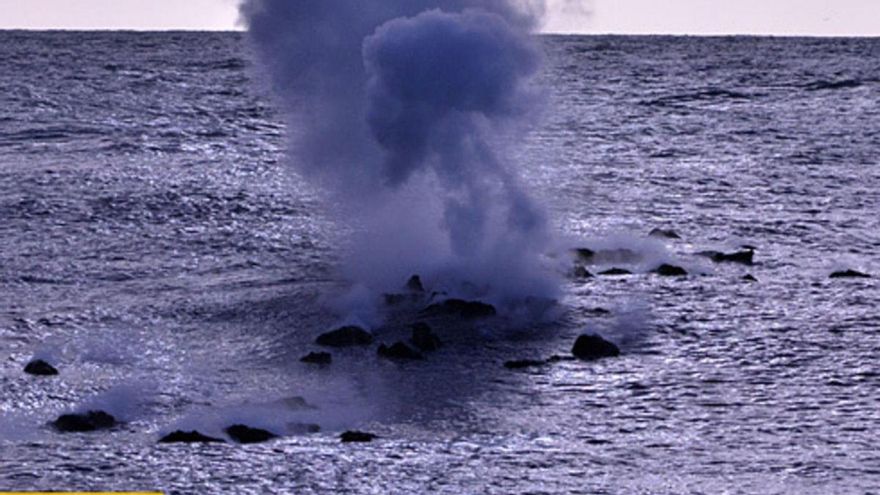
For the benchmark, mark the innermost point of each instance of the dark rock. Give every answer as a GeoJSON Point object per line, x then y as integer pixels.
{"type": "Point", "coordinates": [616, 271]}
{"type": "Point", "coordinates": [667, 270]}
{"type": "Point", "coordinates": [599, 311]}
{"type": "Point", "coordinates": [40, 367]}
{"type": "Point", "coordinates": [523, 363]}
{"type": "Point", "coordinates": [589, 347]}
{"type": "Point", "coordinates": [414, 284]}
{"type": "Point", "coordinates": [424, 338]}
{"type": "Point", "coordinates": [666, 233]}
{"type": "Point", "coordinates": [398, 350]}
{"type": "Point", "coordinates": [88, 421]}
{"type": "Point", "coordinates": [179, 436]}
{"type": "Point", "coordinates": [317, 358]}
{"type": "Point", "coordinates": [581, 272]}
{"type": "Point", "coordinates": [749, 278]}
{"type": "Point", "coordinates": [849, 274]}
{"type": "Point", "coordinates": [245, 434]}
{"type": "Point", "coordinates": [744, 257]}
{"type": "Point", "coordinates": [345, 337]}
{"type": "Point", "coordinates": [462, 308]}
{"type": "Point", "coordinates": [357, 436]}
{"type": "Point", "coordinates": [584, 254]}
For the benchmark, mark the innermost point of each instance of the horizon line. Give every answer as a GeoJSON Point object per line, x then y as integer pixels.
{"type": "Point", "coordinates": [541, 33]}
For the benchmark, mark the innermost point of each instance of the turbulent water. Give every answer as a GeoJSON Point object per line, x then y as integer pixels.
{"type": "Point", "coordinates": [157, 249]}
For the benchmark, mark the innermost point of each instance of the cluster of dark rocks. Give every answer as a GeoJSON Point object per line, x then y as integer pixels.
{"type": "Point", "coordinates": [744, 255]}
{"type": "Point", "coordinates": [422, 340]}
{"type": "Point", "coordinates": [94, 420]}
{"type": "Point", "coordinates": [239, 433]}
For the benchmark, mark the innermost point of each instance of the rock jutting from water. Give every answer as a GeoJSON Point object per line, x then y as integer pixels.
{"type": "Point", "coordinates": [87, 421]}
{"type": "Point", "coordinates": [593, 346]}
{"type": "Point", "coordinates": [346, 336]}
{"type": "Point", "coordinates": [246, 434]}
{"type": "Point", "coordinates": [850, 273]}
{"type": "Point", "coordinates": [40, 368]}
{"type": "Point", "coordinates": [615, 272]}
{"type": "Point", "coordinates": [356, 436]}
{"type": "Point", "coordinates": [664, 233]}
{"type": "Point", "coordinates": [667, 270]}
{"type": "Point", "coordinates": [193, 436]}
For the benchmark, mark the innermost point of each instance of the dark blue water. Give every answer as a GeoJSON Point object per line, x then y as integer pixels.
{"type": "Point", "coordinates": [158, 249]}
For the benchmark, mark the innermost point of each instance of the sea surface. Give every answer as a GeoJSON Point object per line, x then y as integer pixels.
{"type": "Point", "coordinates": [159, 249]}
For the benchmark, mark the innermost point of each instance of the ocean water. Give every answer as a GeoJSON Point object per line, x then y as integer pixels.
{"type": "Point", "coordinates": [156, 246]}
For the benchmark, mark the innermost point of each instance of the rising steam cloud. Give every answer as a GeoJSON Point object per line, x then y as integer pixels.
{"type": "Point", "coordinates": [404, 111]}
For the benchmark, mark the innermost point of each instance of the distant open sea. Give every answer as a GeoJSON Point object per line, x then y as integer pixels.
{"type": "Point", "coordinates": [157, 248]}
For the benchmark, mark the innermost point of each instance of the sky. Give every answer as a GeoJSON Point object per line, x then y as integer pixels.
{"type": "Point", "coordinates": [776, 17]}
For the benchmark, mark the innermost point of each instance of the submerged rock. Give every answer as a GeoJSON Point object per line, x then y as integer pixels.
{"type": "Point", "coordinates": [246, 434]}
{"type": "Point", "coordinates": [665, 233]}
{"type": "Point", "coordinates": [40, 368]}
{"type": "Point", "coordinates": [616, 271]}
{"type": "Point", "coordinates": [345, 337]}
{"type": "Point", "coordinates": [580, 272]}
{"type": "Point", "coordinates": [424, 338]}
{"type": "Point", "coordinates": [398, 350]}
{"type": "Point", "coordinates": [592, 346]}
{"type": "Point", "coordinates": [88, 421]}
{"type": "Point", "coordinates": [517, 364]}
{"type": "Point", "coordinates": [668, 270]}
{"type": "Point", "coordinates": [744, 257]}
{"type": "Point", "coordinates": [356, 436]}
{"type": "Point", "coordinates": [462, 308]}
{"type": "Point", "coordinates": [193, 436]}
{"type": "Point", "coordinates": [849, 274]}
{"type": "Point", "coordinates": [317, 358]}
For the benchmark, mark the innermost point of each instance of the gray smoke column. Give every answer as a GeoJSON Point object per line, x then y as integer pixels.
{"type": "Point", "coordinates": [404, 111]}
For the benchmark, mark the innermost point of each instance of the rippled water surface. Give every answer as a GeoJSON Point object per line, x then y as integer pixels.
{"type": "Point", "coordinates": [156, 247]}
